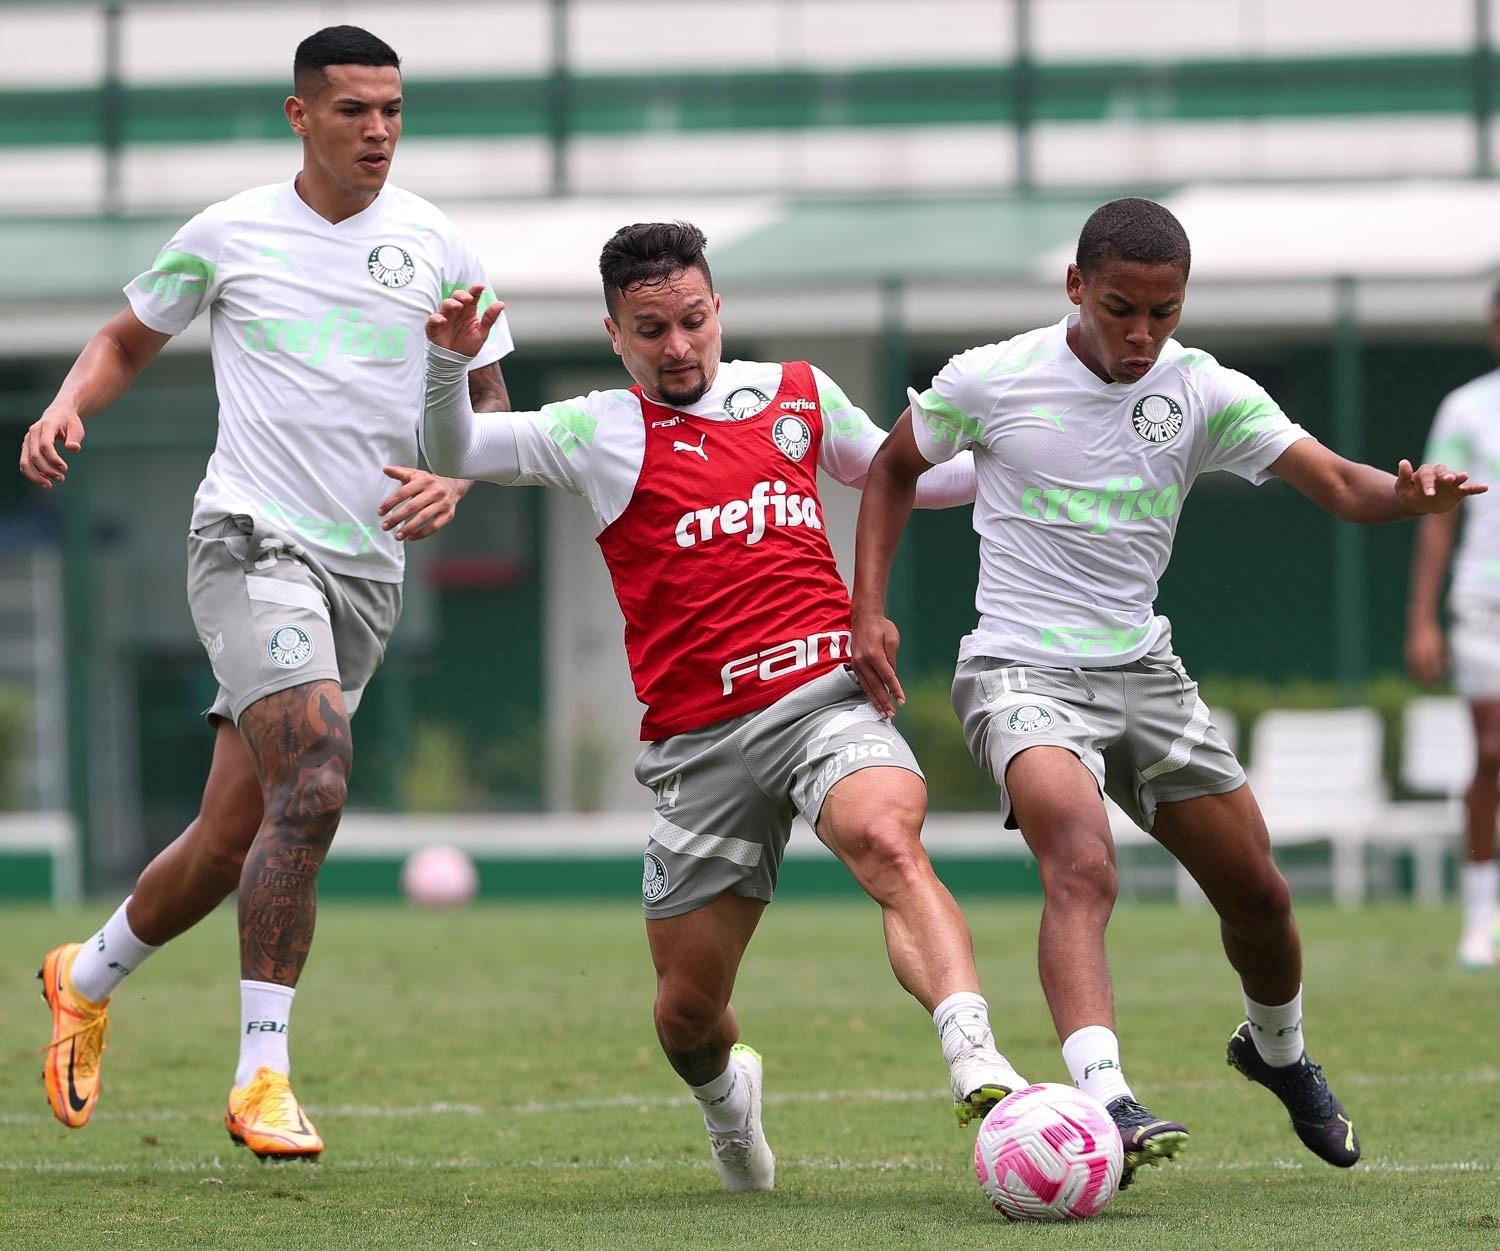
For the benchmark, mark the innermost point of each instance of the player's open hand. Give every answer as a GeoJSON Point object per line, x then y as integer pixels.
{"type": "Point", "coordinates": [40, 459]}
{"type": "Point", "coordinates": [459, 326]}
{"type": "Point", "coordinates": [876, 641]}
{"type": "Point", "coordinates": [1433, 488]}
{"type": "Point", "coordinates": [422, 505]}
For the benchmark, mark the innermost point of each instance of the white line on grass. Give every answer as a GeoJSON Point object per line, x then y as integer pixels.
{"type": "Point", "coordinates": [865, 1096]}
{"type": "Point", "coordinates": [216, 1168]}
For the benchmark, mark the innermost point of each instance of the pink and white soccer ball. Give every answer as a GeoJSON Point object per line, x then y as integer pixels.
{"type": "Point", "coordinates": [439, 876]}
{"type": "Point", "coordinates": [1049, 1153]}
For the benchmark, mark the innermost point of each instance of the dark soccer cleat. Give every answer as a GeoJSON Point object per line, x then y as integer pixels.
{"type": "Point", "coordinates": [1146, 1139]}
{"type": "Point", "coordinates": [1318, 1117]}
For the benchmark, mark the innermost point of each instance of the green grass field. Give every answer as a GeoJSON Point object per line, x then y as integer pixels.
{"type": "Point", "coordinates": [490, 1079]}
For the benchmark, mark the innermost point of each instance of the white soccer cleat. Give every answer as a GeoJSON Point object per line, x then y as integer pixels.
{"type": "Point", "coordinates": [981, 1077]}
{"type": "Point", "coordinates": [1476, 950]}
{"type": "Point", "coordinates": [742, 1157]}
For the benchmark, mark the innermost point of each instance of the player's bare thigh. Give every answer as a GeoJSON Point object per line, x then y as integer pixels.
{"type": "Point", "coordinates": [874, 811]}
{"type": "Point", "coordinates": [1223, 842]}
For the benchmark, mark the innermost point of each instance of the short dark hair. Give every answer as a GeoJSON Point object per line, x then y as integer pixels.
{"type": "Point", "coordinates": [1133, 229]}
{"type": "Point", "coordinates": [650, 253]}
{"type": "Point", "coordinates": [337, 45]}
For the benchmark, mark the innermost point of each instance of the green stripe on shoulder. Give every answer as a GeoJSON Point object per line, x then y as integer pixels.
{"type": "Point", "coordinates": [945, 423]}
{"type": "Point", "coordinates": [1244, 419]}
{"type": "Point", "coordinates": [569, 426]}
{"type": "Point", "coordinates": [185, 265]}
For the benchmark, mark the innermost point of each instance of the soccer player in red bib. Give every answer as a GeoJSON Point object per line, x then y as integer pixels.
{"type": "Point", "coordinates": [703, 480]}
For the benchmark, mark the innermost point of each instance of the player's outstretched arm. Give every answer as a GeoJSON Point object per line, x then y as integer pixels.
{"type": "Point", "coordinates": [1362, 493]}
{"type": "Point", "coordinates": [889, 495]}
{"type": "Point", "coordinates": [103, 372]}
{"type": "Point", "coordinates": [425, 502]}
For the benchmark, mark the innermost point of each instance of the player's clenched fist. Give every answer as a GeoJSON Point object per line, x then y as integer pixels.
{"type": "Point", "coordinates": [40, 459]}
{"type": "Point", "coordinates": [459, 326]}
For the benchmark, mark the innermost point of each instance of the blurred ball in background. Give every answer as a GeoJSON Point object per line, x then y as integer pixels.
{"type": "Point", "coordinates": [439, 876]}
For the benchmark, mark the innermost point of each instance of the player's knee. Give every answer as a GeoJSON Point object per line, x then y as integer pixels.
{"type": "Point", "coordinates": [889, 858]}
{"type": "Point", "coordinates": [1264, 905]}
{"type": "Point", "coordinates": [1487, 755]}
{"type": "Point", "coordinates": [1080, 875]}
{"type": "Point", "coordinates": [311, 801]}
{"type": "Point", "coordinates": [686, 1015]}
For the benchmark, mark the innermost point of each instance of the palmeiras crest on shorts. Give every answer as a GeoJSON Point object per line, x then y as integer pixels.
{"type": "Point", "coordinates": [653, 879]}
{"type": "Point", "coordinates": [391, 266]}
{"type": "Point", "coordinates": [744, 403]}
{"type": "Point", "coordinates": [290, 648]}
{"type": "Point", "coordinates": [1029, 719]}
{"type": "Point", "coordinates": [1157, 418]}
{"type": "Point", "coordinates": [792, 435]}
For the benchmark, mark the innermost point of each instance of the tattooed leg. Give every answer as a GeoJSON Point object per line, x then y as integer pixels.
{"type": "Point", "coordinates": [300, 742]}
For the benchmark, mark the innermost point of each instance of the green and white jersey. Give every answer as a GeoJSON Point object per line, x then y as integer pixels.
{"type": "Point", "coordinates": [1466, 435]}
{"type": "Point", "coordinates": [1081, 482]}
{"type": "Point", "coordinates": [319, 356]}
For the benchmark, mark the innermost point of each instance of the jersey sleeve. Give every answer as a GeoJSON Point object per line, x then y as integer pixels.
{"type": "Point", "coordinates": [464, 270]}
{"type": "Point", "coordinates": [1245, 428]}
{"type": "Point", "coordinates": [949, 416]}
{"type": "Point", "coordinates": [183, 280]}
{"type": "Point", "coordinates": [1451, 441]}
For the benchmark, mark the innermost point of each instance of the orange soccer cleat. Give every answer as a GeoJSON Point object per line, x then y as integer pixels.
{"type": "Point", "coordinates": [264, 1116]}
{"type": "Point", "coordinates": [80, 1029]}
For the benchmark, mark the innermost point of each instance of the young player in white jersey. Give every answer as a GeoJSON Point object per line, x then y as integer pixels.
{"type": "Point", "coordinates": [317, 290]}
{"type": "Point", "coordinates": [1086, 436]}
{"type": "Point", "coordinates": [703, 479]}
{"type": "Point", "coordinates": [1466, 434]}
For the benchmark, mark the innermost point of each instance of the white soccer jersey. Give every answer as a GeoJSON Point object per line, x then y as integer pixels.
{"type": "Point", "coordinates": [1466, 435]}
{"type": "Point", "coordinates": [318, 353]}
{"type": "Point", "coordinates": [593, 445]}
{"type": "Point", "coordinates": [1081, 482]}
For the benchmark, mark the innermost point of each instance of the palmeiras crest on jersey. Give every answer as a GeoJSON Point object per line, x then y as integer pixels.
{"type": "Point", "coordinates": [1157, 418]}
{"type": "Point", "coordinates": [792, 435]}
{"type": "Point", "coordinates": [1029, 719]}
{"type": "Point", "coordinates": [653, 879]}
{"type": "Point", "coordinates": [290, 648]}
{"type": "Point", "coordinates": [745, 402]}
{"type": "Point", "coordinates": [391, 266]}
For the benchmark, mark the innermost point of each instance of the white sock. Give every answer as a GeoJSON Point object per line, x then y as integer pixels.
{"type": "Point", "coordinates": [1276, 1031]}
{"type": "Point", "coordinates": [725, 1100]}
{"type": "Point", "coordinates": [1092, 1055]}
{"type": "Point", "coordinates": [265, 1019]}
{"type": "Point", "coordinates": [106, 959]}
{"type": "Point", "coordinates": [963, 1023]}
{"type": "Point", "coordinates": [1478, 884]}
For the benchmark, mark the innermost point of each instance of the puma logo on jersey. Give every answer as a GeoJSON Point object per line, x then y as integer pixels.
{"type": "Point", "coordinates": [769, 504]}
{"type": "Point", "coordinates": [784, 658]}
{"type": "Point", "coordinates": [696, 448]}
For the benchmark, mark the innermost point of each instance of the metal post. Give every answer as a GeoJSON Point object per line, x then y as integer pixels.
{"type": "Point", "coordinates": [1025, 104]}
{"type": "Point", "coordinates": [79, 642]}
{"type": "Point", "coordinates": [558, 123]}
{"type": "Point", "coordinates": [1484, 77]}
{"type": "Point", "coordinates": [1350, 586]}
{"type": "Point", "coordinates": [901, 593]}
{"type": "Point", "coordinates": [112, 111]}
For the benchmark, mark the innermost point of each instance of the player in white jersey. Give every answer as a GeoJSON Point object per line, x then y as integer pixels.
{"type": "Point", "coordinates": [703, 480]}
{"type": "Point", "coordinates": [1466, 434]}
{"type": "Point", "coordinates": [1087, 435]}
{"type": "Point", "coordinates": [317, 290]}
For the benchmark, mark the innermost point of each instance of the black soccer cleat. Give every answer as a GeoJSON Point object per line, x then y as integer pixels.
{"type": "Point", "coordinates": [1317, 1115]}
{"type": "Point", "coordinates": [1146, 1139]}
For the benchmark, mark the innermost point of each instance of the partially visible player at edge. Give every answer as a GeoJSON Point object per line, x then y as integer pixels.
{"type": "Point", "coordinates": [1087, 435]}
{"type": "Point", "coordinates": [1466, 433]}
{"type": "Point", "coordinates": [703, 480]}
{"type": "Point", "coordinates": [317, 289]}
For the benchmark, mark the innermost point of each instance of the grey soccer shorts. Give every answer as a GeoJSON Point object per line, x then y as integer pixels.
{"type": "Point", "coordinates": [1141, 728]}
{"type": "Point", "coordinates": [271, 617]}
{"type": "Point", "coordinates": [1474, 642]}
{"type": "Point", "coordinates": [726, 794]}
